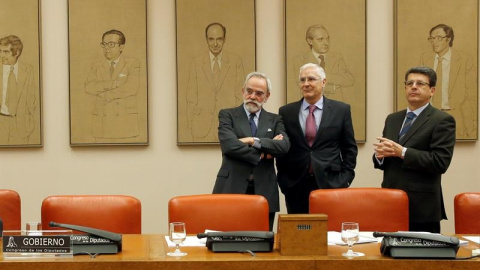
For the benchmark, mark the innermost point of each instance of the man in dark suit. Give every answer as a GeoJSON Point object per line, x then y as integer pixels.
{"type": "Point", "coordinates": [250, 137]}
{"type": "Point", "coordinates": [323, 151]}
{"type": "Point", "coordinates": [416, 149]}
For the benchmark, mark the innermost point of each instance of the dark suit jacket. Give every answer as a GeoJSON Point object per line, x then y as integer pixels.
{"type": "Point", "coordinates": [240, 160]}
{"type": "Point", "coordinates": [334, 151]}
{"type": "Point", "coordinates": [429, 143]}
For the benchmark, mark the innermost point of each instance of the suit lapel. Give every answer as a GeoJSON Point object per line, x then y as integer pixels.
{"type": "Point", "coordinates": [327, 116]}
{"type": "Point", "coordinates": [264, 123]}
{"type": "Point", "coordinates": [207, 69]}
{"type": "Point", "coordinates": [294, 114]}
{"type": "Point", "coordinates": [224, 69]}
{"type": "Point", "coordinates": [455, 66]}
{"type": "Point", "coordinates": [398, 122]}
{"type": "Point", "coordinates": [419, 122]}
{"type": "Point", "coordinates": [242, 120]}
{"type": "Point", "coordinates": [119, 67]}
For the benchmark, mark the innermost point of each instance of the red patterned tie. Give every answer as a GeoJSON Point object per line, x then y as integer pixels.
{"type": "Point", "coordinates": [311, 126]}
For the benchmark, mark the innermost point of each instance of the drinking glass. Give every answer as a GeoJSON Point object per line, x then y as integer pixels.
{"type": "Point", "coordinates": [350, 231]}
{"type": "Point", "coordinates": [177, 235]}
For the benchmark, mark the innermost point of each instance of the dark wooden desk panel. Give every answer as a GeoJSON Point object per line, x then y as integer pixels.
{"type": "Point", "coordinates": [144, 252]}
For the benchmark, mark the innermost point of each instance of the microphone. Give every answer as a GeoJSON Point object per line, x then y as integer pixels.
{"type": "Point", "coordinates": [381, 234]}
{"type": "Point", "coordinates": [102, 233]}
{"type": "Point", "coordinates": [202, 235]}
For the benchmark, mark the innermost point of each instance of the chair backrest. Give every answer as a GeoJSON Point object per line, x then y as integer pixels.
{"type": "Point", "coordinates": [220, 212]}
{"type": "Point", "coordinates": [375, 209]}
{"type": "Point", "coordinates": [10, 209]}
{"type": "Point", "coordinates": [115, 213]}
{"type": "Point", "coordinates": [467, 213]}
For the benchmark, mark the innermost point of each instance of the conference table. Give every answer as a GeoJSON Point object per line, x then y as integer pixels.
{"type": "Point", "coordinates": [149, 251]}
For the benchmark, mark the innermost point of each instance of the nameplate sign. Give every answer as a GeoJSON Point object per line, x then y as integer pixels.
{"type": "Point", "coordinates": [21, 244]}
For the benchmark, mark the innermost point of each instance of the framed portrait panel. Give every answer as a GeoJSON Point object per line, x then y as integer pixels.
{"type": "Point", "coordinates": [21, 95]}
{"type": "Point", "coordinates": [331, 33]}
{"type": "Point", "coordinates": [215, 51]}
{"type": "Point", "coordinates": [108, 72]}
{"type": "Point", "coordinates": [447, 41]}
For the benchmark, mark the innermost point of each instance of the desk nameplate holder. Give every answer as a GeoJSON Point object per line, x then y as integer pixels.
{"type": "Point", "coordinates": [302, 234]}
{"type": "Point", "coordinates": [21, 244]}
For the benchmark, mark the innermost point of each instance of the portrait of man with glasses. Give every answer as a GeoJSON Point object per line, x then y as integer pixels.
{"type": "Point", "coordinates": [114, 81]}
{"type": "Point", "coordinates": [456, 87]}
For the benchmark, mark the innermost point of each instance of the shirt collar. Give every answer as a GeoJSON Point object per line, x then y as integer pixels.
{"type": "Point", "coordinates": [318, 54]}
{"type": "Point", "coordinates": [447, 55]}
{"type": "Point", "coordinates": [219, 56]}
{"type": "Point", "coordinates": [248, 113]}
{"type": "Point", "coordinates": [418, 111]}
{"type": "Point", "coordinates": [319, 104]}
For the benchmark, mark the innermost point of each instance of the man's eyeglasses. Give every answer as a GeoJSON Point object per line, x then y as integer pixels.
{"type": "Point", "coordinates": [418, 83]}
{"type": "Point", "coordinates": [308, 80]}
{"type": "Point", "coordinates": [108, 44]}
{"type": "Point", "coordinates": [251, 92]}
{"type": "Point", "coordinates": [436, 38]}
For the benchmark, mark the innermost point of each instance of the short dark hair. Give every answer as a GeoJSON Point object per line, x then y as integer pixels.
{"type": "Point", "coordinates": [121, 39]}
{"type": "Point", "coordinates": [15, 42]}
{"type": "Point", "coordinates": [430, 73]}
{"type": "Point", "coordinates": [218, 24]}
{"type": "Point", "coordinates": [448, 32]}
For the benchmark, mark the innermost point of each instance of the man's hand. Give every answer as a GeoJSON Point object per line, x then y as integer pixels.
{"type": "Point", "coordinates": [387, 148]}
{"type": "Point", "coordinates": [279, 137]}
{"type": "Point", "coordinates": [247, 140]}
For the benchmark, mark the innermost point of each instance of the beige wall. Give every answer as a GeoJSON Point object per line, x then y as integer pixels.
{"type": "Point", "coordinates": [162, 170]}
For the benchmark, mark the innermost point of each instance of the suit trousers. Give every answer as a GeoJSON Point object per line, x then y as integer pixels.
{"type": "Point", "coordinates": [297, 197]}
{"type": "Point", "coordinates": [251, 190]}
{"type": "Point", "coordinates": [433, 227]}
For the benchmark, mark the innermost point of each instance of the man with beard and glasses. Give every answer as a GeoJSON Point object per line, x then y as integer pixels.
{"type": "Point", "coordinates": [250, 137]}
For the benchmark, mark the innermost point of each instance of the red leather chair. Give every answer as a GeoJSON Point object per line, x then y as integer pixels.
{"type": "Point", "coordinates": [375, 209]}
{"type": "Point", "coordinates": [220, 212]}
{"type": "Point", "coordinates": [115, 213]}
{"type": "Point", "coordinates": [467, 213]}
{"type": "Point", "coordinates": [10, 209]}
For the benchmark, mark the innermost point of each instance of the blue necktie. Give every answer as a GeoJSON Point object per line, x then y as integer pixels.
{"type": "Point", "coordinates": [406, 125]}
{"type": "Point", "coordinates": [253, 127]}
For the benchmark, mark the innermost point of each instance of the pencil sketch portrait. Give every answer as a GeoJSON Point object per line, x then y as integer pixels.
{"type": "Point", "coordinates": [114, 82]}
{"type": "Point", "coordinates": [325, 33]}
{"type": "Point", "coordinates": [108, 82]}
{"type": "Point", "coordinates": [211, 77]}
{"type": "Point", "coordinates": [20, 106]}
{"type": "Point", "coordinates": [447, 43]}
